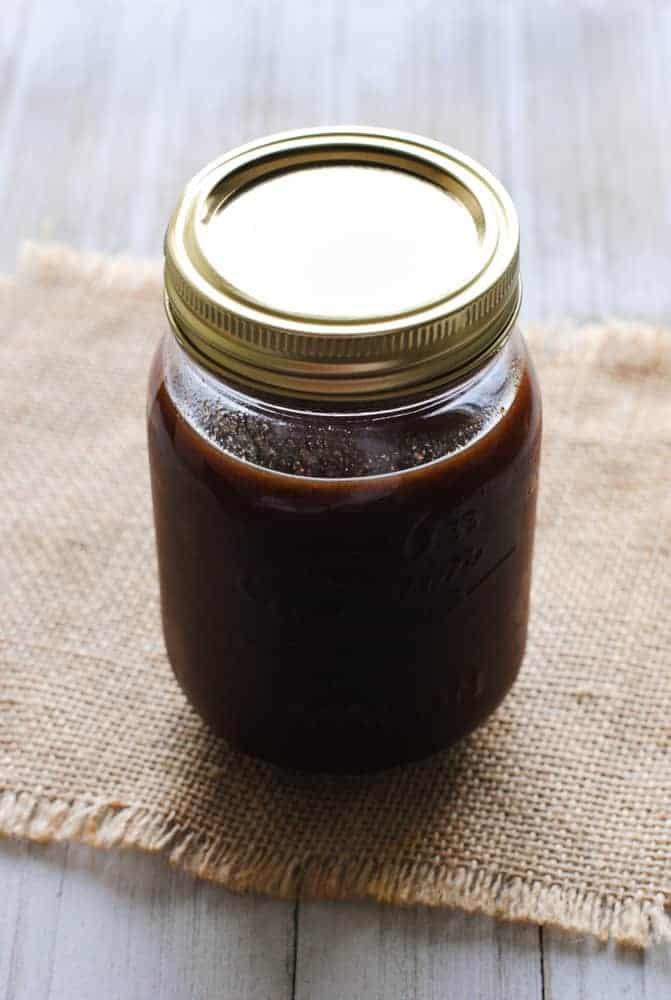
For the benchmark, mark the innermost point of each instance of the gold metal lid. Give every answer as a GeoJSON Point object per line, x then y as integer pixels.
{"type": "Point", "coordinates": [342, 262]}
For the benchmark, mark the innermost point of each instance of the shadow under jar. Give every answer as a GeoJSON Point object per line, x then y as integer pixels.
{"type": "Point", "coordinates": [344, 436]}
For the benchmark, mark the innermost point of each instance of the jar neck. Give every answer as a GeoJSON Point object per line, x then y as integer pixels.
{"type": "Point", "coordinates": [415, 399]}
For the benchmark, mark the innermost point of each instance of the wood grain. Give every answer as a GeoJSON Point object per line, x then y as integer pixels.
{"type": "Point", "coordinates": [106, 109]}
{"type": "Point", "coordinates": [586, 970]}
{"type": "Point", "coordinates": [370, 950]}
{"type": "Point", "coordinates": [77, 924]}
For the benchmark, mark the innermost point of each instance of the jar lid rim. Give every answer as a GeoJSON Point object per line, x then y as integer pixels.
{"type": "Point", "coordinates": [289, 266]}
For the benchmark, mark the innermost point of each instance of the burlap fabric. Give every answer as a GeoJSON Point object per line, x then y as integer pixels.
{"type": "Point", "coordinates": [558, 810]}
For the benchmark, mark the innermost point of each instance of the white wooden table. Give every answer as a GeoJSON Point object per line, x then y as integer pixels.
{"type": "Point", "coordinates": [106, 109]}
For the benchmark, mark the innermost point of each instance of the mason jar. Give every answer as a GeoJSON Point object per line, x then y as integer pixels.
{"type": "Point", "coordinates": [344, 437]}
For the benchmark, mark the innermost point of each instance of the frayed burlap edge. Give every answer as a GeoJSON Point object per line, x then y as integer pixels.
{"type": "Point", "coordinates": [60, 264]}
{"type": "Point", "coordinates": [637, 923]}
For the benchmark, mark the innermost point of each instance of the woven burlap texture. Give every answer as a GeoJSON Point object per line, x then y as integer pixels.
{"type": "Point", "coordinates": [558, 810]}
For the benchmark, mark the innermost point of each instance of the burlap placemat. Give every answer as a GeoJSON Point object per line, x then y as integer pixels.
{"type": "Point", "coordinates": [558, 810]}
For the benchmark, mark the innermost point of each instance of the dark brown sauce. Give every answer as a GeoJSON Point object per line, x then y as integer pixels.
{"type": "Point", "coordinates": [337, 625]}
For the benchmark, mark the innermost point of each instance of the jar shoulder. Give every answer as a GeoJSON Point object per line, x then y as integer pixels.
{"type": "Point", "coordinates": [498, 407]}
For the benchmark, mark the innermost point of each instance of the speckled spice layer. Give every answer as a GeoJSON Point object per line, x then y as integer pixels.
{"type": "Point", "coordinates": [557, 811]}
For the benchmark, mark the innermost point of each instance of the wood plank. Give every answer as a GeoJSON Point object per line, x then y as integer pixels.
{"type": "Point", "coordinates": [31, 879]}
{"type": "Point", "coordinates": [580, 969]}
{"type": "Point", "coordinates": [592, 158]}
{"type": "Point", "coordinates": [81, 923]}
{"type": "Point", "coordinates": [363, 950]}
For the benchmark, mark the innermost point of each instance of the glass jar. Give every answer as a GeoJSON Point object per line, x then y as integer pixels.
{"type": "Point", "coordinates": [344, 436]}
